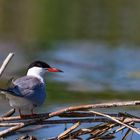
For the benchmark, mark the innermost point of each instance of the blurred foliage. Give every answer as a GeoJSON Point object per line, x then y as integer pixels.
{"type": "Point", "coordinates": [58, 92]}
{"type": "Point", "coordinates": [46, 20]}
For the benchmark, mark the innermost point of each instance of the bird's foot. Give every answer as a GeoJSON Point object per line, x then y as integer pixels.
{"type": "Point", "coordinates": [27, 115]}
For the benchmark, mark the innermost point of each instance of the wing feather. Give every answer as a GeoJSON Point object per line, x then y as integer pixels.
{"type": "Point", "coordinates": [30, 88]}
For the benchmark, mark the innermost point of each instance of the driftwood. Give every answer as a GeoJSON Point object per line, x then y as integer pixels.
{"type": "Point", "coordinates": [103, 126]}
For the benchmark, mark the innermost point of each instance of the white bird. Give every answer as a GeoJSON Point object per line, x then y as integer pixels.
{"type": "Point", "coordinates": [29, 91]}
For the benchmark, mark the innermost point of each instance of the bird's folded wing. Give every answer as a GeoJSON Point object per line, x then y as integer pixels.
{"type": "Point", "coordinates": [23, 87]}
{"type": "Point", "coordinates": [8, 91]}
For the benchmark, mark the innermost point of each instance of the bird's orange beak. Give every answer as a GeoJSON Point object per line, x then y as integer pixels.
{"type": "Point", "coordinates": [53, 70]}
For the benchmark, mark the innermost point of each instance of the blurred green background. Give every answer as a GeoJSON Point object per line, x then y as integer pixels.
{"type": "Point", "coordinates": [31, 21]}
{"type": "Point", "coordinates": [95, 42]}
{"type": "Point", "coordinates": [45, 20]}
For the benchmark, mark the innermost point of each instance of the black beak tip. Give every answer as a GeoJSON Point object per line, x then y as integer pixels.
{"type": "Point", "coordinates": [61, 71]}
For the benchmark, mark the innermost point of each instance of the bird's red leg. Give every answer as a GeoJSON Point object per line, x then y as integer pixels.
{"type": "Point", "coordinates": [19, 112]}
{"type": "Point", "coordinates": [26, 115]}
{"type": "Point", "coordinates": [21, 115]}
{"type": "Point", "coordinates": [32, 112]}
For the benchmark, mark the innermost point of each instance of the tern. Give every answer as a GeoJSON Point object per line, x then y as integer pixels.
{"type": "Point", "coordinates": [29, 91]}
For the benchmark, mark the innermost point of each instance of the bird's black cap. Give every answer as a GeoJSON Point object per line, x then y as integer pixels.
{"type": "Point", "coordinates": [40, 64]}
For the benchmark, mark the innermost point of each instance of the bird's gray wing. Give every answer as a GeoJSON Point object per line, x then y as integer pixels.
{"type": "Point", "coordinates": [25, 86]}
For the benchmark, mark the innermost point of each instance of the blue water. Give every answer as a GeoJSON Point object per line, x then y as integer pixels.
{"type": "Point", "coordinates": [96, 66]}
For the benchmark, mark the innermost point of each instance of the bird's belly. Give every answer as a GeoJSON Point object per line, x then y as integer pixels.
{"type": "Point", "coordinates": [19, 102]}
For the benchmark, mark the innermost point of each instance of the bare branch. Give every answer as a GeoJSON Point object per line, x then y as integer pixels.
{"type": "Point", "coordinates": [9, 113]}
{"type": "Point", "coordinates": [92, 106]}
{"type": "Point", "coordinates": [5, 63]}
{"type": "Point", "coordinates": [73, 108]}
{"type": "Point", "coordinates": [11, 129]}
{"type": "Point", "coordinates": [126, 134]}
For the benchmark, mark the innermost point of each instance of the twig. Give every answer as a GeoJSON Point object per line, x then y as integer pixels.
{"type": "Point", "coordinates": [85, 114]}
{"type": "Point", "coordinates": [117, 121]}
{"type": "Point", "coordinates": [11, 129]}
{"type": "Point", "coordinates": [128, 115]}
{"type": "Point", "coordinates": [80, 114]}
{"type": "Point", "coordinates": [120, 129]}
{"type": "Point", "coordinates": [9, 124]}
{"type": "Point", "coordinates": [126, 134]}
{"type": "Point", "coordinates": [63, 121]}
{"type": "Point", "coordinates": [5, 63]}
{"type": "Point", "coordinates": [17, 127]}
{"type": "Point", "coordinates": [9, 113]}
{"type": "Point", "coordinates": [102, 128]}
{"type": "Point", "coordinates": [95, 130]}
{"type": "Point", "coordinates": [65, 133]}
{"type": "Point", "coordinates": [92, 106]}
{"type": "Point", "coordinates": [26, 117]}
{"type": "Point", "coordinates": [10, 118]}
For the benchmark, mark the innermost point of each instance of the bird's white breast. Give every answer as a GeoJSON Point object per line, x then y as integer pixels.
{"type": "Point", "coordinates": [19, 102]}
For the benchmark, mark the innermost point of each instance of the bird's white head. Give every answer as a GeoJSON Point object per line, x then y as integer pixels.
{"type": "Point", "coordinates": [39, 69]}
